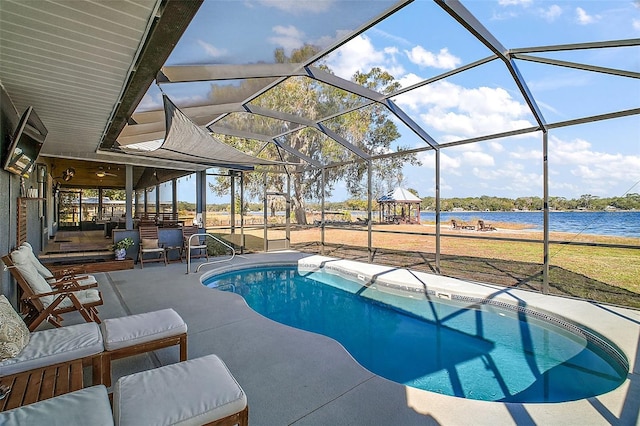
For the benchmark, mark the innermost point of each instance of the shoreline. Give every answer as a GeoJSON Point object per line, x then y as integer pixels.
{"type": "Point", "coordinates": [538, 234]}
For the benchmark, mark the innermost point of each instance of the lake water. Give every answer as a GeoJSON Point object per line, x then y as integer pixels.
{"type": "Point", "coordinates": [626, 224]}
{"type": "Point", "coordinates": [619, 223]}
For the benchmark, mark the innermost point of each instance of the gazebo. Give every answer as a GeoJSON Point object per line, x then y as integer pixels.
{"type": "Point", "coordinates": [399, 206]}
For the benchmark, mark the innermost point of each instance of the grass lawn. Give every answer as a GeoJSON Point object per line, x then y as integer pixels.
{"type": "Point", "coordinates": [604, 274]}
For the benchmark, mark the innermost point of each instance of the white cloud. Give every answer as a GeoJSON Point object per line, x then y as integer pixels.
{"type": "Point", "coordinates": [296, 7]}
{"type": "Point", "coordinates": [459, 112]}
{"type": "Point", "coordinates": [393, 37]}
{"type": "Point", "coordinates": [636, 24]}
{"type": "Point", "coordinates": [474, 147]}
{"type": "Point", "coordinates": [391, 51]}
{"type": "Point", "coordinates": [463, 159]}
{"type": "Point", "coordinates": [584, 18]}
{"type": "Point", "coordinates": [595, 169]}
{"type": "Point", "coordinates": [442, 60]}
{"type": "Point", "coordinates": [447, 162]}
{"type": "Point", "coordinates": [562, 187]}
{"type": "Point", "coordinates": [150, 102]}
{"type": "Point", "coordinates": [496, 146]}
{"type": "Point", "coordinates": [511, 177]}
{"type": "Point", "coordinates": [289, 38]}
{"type": "Point", "coordinates": [530, 154]}
{"type": "Point", "coordinates": [514, 2]}
{"type": "Point", "coordinates": [211, 50]}
{"type": "Point", "coordinates": [575, 166]}
{"type": "Point", "coordinates": [326, 40]}
{"type": "Point", "coordinates": [551, 13]}
{"type": "Point", "coordinates": [510, 9]}
{"type": "Point", "coordinates": [559, 81]}
{"type": "Point", "coordinates": [479, 159]}
{"type": "Point", "coordinates": [409, 79]}
{"type": "Point", "coordinates": [503, 16]}
{"type": "Point", "coordinates": [359, 54]}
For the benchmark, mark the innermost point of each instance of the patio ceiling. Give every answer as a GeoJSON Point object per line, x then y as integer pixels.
{"type": "Point", "coordinates": [89, 68]}
{"type": "Point", "coordinates": [84, 66]}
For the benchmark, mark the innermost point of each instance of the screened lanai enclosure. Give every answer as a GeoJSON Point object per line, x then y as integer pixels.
{"type": "Point", "coordinates": [294, 105]}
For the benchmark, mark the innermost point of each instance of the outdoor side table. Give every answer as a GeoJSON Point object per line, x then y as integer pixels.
{"type": "Point", "coordinates": [42, 383]}
{"type": "Point", "coordinates": [168, 251]}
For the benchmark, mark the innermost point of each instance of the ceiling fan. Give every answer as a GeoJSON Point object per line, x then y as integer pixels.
{"type": "Point", "coordinates": [101, 172]}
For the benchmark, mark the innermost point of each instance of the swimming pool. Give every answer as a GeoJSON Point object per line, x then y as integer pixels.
{"type": "Point", "coordinates": [471, 349]}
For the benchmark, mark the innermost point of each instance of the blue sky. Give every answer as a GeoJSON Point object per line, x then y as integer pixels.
{"type": "Point", "coordinates": [421, 41]}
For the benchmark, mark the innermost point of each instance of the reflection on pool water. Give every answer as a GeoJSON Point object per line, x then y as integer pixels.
{"type": "Point", "coordinates": [484, 352]}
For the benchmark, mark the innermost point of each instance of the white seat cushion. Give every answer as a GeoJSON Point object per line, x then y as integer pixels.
{"type": "Point", "coordinates": [88, 406]}
{"type": "Point", "coordinates": [141, 328]}
{"type": "Point", "coordinates": [192, 392]}
{"type": "Point", "coordinates": [87, 296]}
{"type": "Point", "coordinates": [42, 270]}
{"type": "Point", "coordinates": [28, 253]}
{"type": "Point", "coordinates": [53, 346]}
{"type": "Point", "coordinates": [153, 250]}
{"type": "Point", "coordinates": [22, 260]}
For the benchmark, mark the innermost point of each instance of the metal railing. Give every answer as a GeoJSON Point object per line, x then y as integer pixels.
{"type": "Point", "coordinates": [206, 234]}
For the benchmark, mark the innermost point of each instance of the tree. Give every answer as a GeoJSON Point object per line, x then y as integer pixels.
{"type": "Point", "coordinates": [586, 200]}
{"type": "Point", "coordinates": [370, 129]}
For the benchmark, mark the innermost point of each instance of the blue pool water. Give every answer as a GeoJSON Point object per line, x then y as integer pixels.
{"type": "Point", "coordinates": [485, 353]}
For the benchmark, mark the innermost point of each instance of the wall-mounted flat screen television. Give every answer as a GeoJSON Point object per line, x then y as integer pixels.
{"type": "Point", "coordinates": [26, 144]}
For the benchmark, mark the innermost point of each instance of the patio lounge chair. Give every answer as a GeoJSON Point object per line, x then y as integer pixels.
{"type": "Point", "coordinates": [199, 391]}
{"type": "Point", "coordinates": [41, 301]}
{"type": "Point", "coordinates": [96, 345]}
{"type": "Point", "coordinates": [485, 227]}
{"type": "Point", "coordinates": [456, 225]}
{"type": "Point", "coordinates": [149, 244]}
{"type": "Point", "coordinates": [361, 221]}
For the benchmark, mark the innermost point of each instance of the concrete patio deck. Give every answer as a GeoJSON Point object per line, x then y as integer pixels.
{"type": "Point", "coordinates": [292, 377]}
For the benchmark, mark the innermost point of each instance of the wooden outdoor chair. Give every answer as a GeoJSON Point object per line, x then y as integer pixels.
{"type": "Point", "coordinates": [150, 244]}
{"type": "Point", "coordinates": [485, 227]}
{"type": "Point", "coordinates": [146, 223]}
{"type": "Point", "coordinates": [60, 275]}
{"type": "Point", "coordinates": [42, 302]}
{"type": "Point", "coordinates": [456, 225]}
{"type": "Point", "coordinates": [196, 243]}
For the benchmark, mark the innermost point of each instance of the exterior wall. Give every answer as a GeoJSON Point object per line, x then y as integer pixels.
{"type": "Point", "coordinates": [9, 193]}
